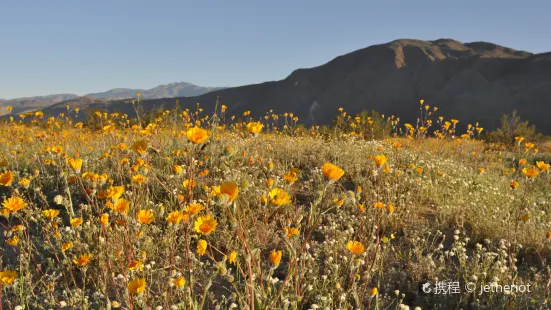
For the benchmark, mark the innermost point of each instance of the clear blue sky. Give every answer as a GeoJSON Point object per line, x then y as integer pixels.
{"type": "Point", "coordinates": [82, 46]}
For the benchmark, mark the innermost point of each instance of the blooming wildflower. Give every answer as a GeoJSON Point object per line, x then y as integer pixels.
{"type": "Point", "coordinates": [179, 282]}
{"type": "Point", "coordinates": [279, 197]}
{"type": "Point", "coordinates": [13, 241]}
{"type": "Point", "coordinates": [254, 127]}
{"type": "Point", "coordinates": [77, 221]}
{"type": "Point", "coordinates": [197, 135]}
{"type": "Point", "coordinates": [374, 291]}
{"type": "Point", "coordinates": [50, 213]}
{"type": "Point", "coordinates": [513, 184]}
{"type": "Point", "coordinates": [137, 286]}
{"type": "Point", "coordinates": [75, 163]}
{"type": "Point", "coordinates": [139, 179]}
{"type": "Point", "coordinates": [135, 264]}
{"type": "Point", "coordinates": [530, 172]}
{"type": "Point", "coordinates": [14, 204]}
{"type": "Point", "coordinates": [7, 276]}
{"type": "Point", "coordinates": [66, 246]}
{"type": "Point", "coordinates": [201, 247]}
{"type": "Point", "coordinates": [177, 169]}
{"type": "Point", "coordinates": [194, 208]}
{"type": "Point", "coordinates": [6, 178]}
{"type": "Point", "coordinates": [291, 231]}
{"type": "Point", "coordinates": [379, 205]}
{"type": "Point", "coordinates": [275, 258]}
{"type": "Point", "coordinates": [229, 190]}
{"type": "Point", "coordinates": [25, 182]}
{"type": "Point", "coordinates": [355, 247]}
{"type": "Point", "coordinates": [82, 260]}
{"type": "Point", "coordinates": [122, 206]}
{"type": "Point", "coordinates": [140, 147]}
{"type": "Point", "coordinates": [205, 224]}
{"type": "Point", "coordinates": [176, 217]}
{"type": "Point", "coordinates": [145, 216]}
{"type": "Point", "coordinates": [332, 172]}
{"type": "Point", "coordinates": [379, 160]}
{"type": "Point", "coordinates": [232, 257]}
{"type": "Point", "coordinates": [543, 166]}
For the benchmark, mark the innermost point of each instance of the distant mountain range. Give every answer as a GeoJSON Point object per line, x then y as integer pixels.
{"type": "Point", "coordinates": [179, 89]}
{"type": "Point", "coordinates": [471, 82]}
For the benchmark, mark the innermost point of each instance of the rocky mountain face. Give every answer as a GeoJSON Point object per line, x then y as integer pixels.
{"type": "Point", "coordinates": [471, 82]}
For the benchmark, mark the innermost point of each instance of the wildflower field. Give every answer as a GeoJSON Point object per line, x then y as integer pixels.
{"type": "Point", "coordinates": [185, 210]}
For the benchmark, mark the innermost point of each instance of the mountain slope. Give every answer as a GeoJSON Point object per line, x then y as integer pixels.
{"type": "Point", "coordinates": [33, 103]}
{"type": "Point", "coordinates": [179, 89]}
{"type": "Point", "coordinates": [472, 82]}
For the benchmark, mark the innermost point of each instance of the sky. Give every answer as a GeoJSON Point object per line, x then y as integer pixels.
{"type": "Point", "coordinates": [84, 46]}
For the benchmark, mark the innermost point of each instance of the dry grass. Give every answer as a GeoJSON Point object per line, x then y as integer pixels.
{"type": "Point", "coordinates": [420, 210]}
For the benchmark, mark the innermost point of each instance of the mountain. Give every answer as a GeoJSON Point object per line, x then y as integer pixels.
{"type": "Point", "coordinates": [179, 89]}
{"type": "Point", "coordinates": [471, 82]}
{"type": "Point", "coordinates": [33, 103]}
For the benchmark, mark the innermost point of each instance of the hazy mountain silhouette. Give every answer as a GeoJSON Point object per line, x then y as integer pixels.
{"type": "Point", "coordinates": [179, 89]}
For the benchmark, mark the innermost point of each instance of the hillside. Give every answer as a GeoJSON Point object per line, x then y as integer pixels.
{"type": "Point", "coordinates": [472, 82]}
{"type": "Point", "coordinates": [178, 89]}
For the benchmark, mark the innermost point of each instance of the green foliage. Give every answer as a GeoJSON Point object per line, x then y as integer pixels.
{"type": "Point", "coordinates": [511, 127]}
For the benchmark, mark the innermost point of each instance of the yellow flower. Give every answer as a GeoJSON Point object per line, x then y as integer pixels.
{"type": "Point", "coordinates": [379, 160]}
{"type": "Point", "coordinates": [228, 189]}
{"type": "Point", "coordinates": [122, 206]}
{"type": "Point", "coordinates": [201, 247]}
{"type": "Point", "coordinates": [254, 127]}
{"type": "Point", "coordinates": [145, 216]}
{"type": "Point", "coordinates": [270, 182]}
{"type": "Point", "coordinates": [176, 217]}
{"type": "Point", "coordinates": [115, 192]}
{"type": "Point", "coordinates": [543, 166]}
{"type": "Point", "coordinates": [205, 224]}
{"type": "Point", "coordinates": [530, 172]}
{"type": "Point", "coordinates": [104, 219]}
{"type": "Point", "coordinates": [14, 204]}
{"type": "Point", "coordinates": [140, 147]}
{"type": "Point", "coordinates": [179, 282]}
{"type": "Point", "coordinates": [379, 205]}
{"type": "Point", "coordinates": [13, 241]}
{"type": "Point", "coordinates": [291, 176]}
{"type": "Point", "coordinates": [275, 258]}
{"type": "Point", "coordinates": [513, 184]}
{"type": "Point", "coordinates": [279, 197]}
{"type": "Point", "coordinates": [292, 231]}
{"type": "Point", "coordinates": [374, 291]}
{"type": "Point", "coordinates": [177, 169]}
{"type": "Point", "coordinates": [522, 162]}
{"type": "Point", "coordinates": [355, 247]}
{"type": "Point", "coordinates": [135, 264]}
{"type": "Point", "coordinates": [197, 135]}
{"type": "Point", "coordinates": [7, 276]}
{"type": "Point", "coordinates": [66, 246]}
{"type": "Point", "coordinates": [82, 260]}
{"type": "Point", "coordinates": [50, 213]}
{"type": "Point", "coordinates": [6, 178]}
{"type": "Point", "coordinates": [77, 221]}
{"type": "Point", "coordinates": [232, 257]}
{"type": "Point", "coordinates": [332, 172]}
{"type": "Point", "coordinates": [76, 164]}
{"type": "Point", "coordinates": [189, 184]}
{"type": "Point", "coordinates": [137, 286]}
{"type": "Point", "coordinates": [139, 179]}
{"type": "Point", "coordinates": [194, 208]}
{"type": "Point", "coordinates": [25, 182]}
